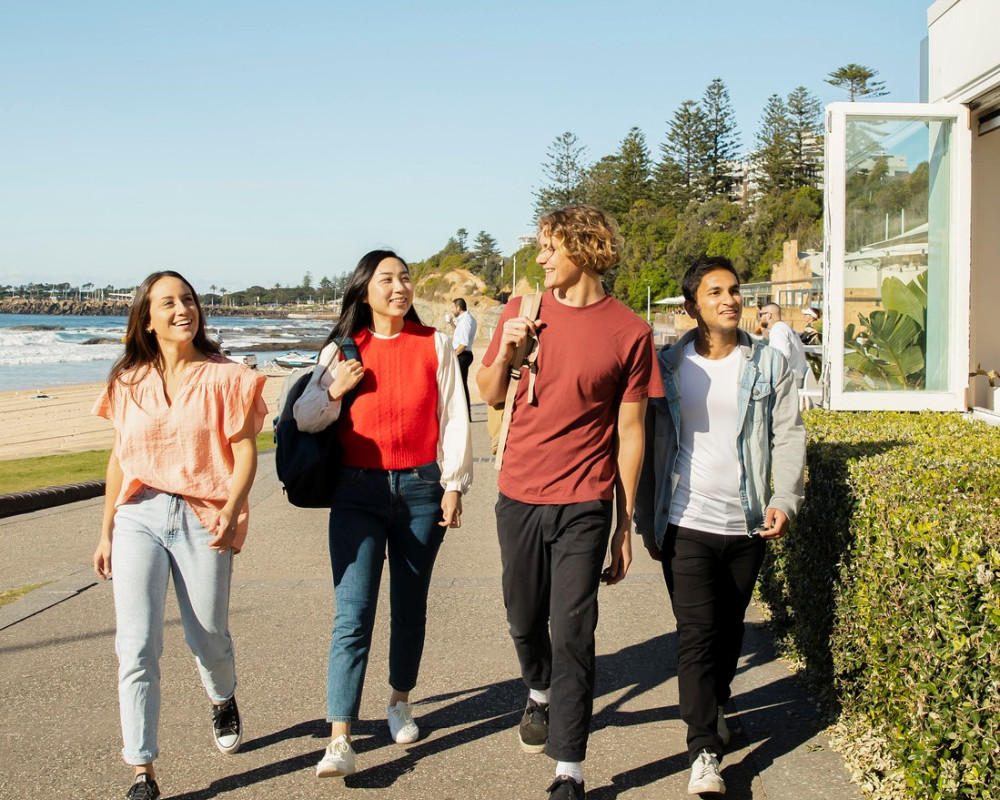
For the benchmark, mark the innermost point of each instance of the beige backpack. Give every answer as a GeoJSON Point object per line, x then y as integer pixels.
{"type": "Point", "coordinates": [526, 355]}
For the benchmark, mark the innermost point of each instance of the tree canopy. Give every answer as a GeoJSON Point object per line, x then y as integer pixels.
{"type": "Point", "coordinates": [858, 81]}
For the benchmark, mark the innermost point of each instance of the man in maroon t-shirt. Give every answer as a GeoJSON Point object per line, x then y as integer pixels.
{"type": "Point", "coordinates": [571, 452]}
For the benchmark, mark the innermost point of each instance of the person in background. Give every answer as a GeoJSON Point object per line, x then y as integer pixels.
{"type": "Point", "coordinates": [183, 461]}
{"type": "Point", "coordinates": [393, 496]}
{"type": "Point", "coordinates": [722, 475]}
{"type": "Point", "coordinates": [782, 338]}
{"type": "Point", "coordinates": [813, 331]}
{"type": "Point", "coordinates": [571, 450]}
{"type": "Point", "coordinates": [465, 335]}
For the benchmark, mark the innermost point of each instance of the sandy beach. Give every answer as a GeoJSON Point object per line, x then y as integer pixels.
{"type": "Point", "coordinates": [44, 422]}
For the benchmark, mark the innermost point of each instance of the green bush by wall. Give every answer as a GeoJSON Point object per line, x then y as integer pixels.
{"type": "Point", "coordinates": [888, 589]}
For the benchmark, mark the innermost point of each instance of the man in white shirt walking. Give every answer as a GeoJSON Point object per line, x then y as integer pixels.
{"type": "Point", "coordinates": [722, 475]}
{"type": "Point", "coordinates": [465, 334]}
{"type": "Point", "coordinates": [782, 338]}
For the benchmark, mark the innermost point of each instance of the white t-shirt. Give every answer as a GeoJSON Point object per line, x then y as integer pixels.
{"type": "Point", "coordinates": [465, 331]}
{"type": "Point", "coordinates": [783, 339]}
{"type": "Point", "coordinates": [706, 494]}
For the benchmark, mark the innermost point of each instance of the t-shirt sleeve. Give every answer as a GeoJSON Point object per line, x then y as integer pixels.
{"type": "Point", "coordinates": [102, 406]}
{"type": "Point", "coordinates": [640, 369]}
{"type": "Point", "coordinates": [245, 397]}
{"type": "Point", "coordinates": [508, 313]}
{"type": "Point", "coordinates": [655, 376]}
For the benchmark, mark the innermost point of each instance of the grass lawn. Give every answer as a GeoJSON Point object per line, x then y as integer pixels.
{"type": "Point", "coordinates": [26, 474]}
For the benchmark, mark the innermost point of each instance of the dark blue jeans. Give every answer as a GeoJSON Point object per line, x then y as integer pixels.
{"type": "Point", "coordinates": [375, 512]}
{"type": "Point", "coordinates": [710, 578]}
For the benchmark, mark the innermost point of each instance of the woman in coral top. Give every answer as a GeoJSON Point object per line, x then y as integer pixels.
{"type": "Point", "coordinates": [184, 457]}
{"type": "Point", "coordinates": [407, 461]}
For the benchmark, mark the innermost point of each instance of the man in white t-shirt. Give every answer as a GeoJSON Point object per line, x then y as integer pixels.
{"type": "Point", "coordinates": [729, 423]}
{"type": "Point", "coordinates": [782, 338]}
{"type": "Point", "coordinates": [465, 334]}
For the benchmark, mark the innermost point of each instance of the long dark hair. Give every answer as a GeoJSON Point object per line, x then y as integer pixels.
{"type": "Point", "coordinates": [355, 313]}
{"type": "Point", "coordinates": [141, 347]}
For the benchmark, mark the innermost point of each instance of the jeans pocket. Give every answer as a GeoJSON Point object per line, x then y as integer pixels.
{"type": "Point", "coordinates": [428, 473]}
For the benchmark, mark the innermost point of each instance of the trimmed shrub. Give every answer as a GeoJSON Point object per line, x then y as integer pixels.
{"type": "Point", "coordinates": [888, 589]}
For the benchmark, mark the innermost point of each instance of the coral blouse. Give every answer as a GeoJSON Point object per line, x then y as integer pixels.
{"type": "Point", "coordinates": [183, 447]}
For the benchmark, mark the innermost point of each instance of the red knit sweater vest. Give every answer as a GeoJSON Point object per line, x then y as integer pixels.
{"type": "Point", "coordinates": [393, 420]}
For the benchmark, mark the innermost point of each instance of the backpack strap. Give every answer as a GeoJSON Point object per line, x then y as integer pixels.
{"type": "Point", "coordinates": [526, 354]}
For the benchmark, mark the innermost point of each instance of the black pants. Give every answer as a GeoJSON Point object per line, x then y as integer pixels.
{"type": "Point", "coordinates": [552, 558]}
{"type": "Point", "coordinates": [710, 578]}
{"type": "Point", "coordinates": [464, 362]}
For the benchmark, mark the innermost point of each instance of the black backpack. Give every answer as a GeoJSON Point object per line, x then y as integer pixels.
{"type": "Point", "coordinates": [307, 462]}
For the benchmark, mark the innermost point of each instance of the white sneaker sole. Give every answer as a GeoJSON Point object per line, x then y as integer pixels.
{"type": "Point", "coordinates": [717, 787]}
{"type": "Point", "coordinates": [333, 772]}
{"type": "Point", "coordinates": [534, 749]}
{"type": "Point", "coordinates": [404, 737]}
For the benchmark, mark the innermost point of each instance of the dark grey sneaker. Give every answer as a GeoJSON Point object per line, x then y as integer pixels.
{"type": "Point", "coordinates": [564, 788]}
{"type": "Point", "coordinates": [226, 727]}
{"type": "Point", "coordinates": [534, 728]}
{"type": "Point", "coordinates": [144, 788]}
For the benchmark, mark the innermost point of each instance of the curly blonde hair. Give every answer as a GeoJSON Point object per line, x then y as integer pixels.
{"type": "Point", "coordinates": [586, 234]}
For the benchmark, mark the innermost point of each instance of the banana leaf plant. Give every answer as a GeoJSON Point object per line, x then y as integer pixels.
{"type": "Point", "coordinates": [888, 350]}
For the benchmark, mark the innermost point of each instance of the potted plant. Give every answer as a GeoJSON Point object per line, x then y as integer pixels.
{"type": "Point", "coordinates": [993, 395]}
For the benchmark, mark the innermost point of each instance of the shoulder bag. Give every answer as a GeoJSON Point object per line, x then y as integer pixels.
{"type": "Point", "coordinates": [307, 463]}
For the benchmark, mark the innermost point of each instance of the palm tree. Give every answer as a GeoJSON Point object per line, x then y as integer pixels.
{"type": "Point", "coordinates": [212, 287]}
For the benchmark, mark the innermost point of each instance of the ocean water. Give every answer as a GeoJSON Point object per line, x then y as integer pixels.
{"type": "Point", "coordinates": [38, 351]}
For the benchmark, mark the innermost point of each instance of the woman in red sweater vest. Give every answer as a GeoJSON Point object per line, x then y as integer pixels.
{"type": "Point", "coordinates": [407, 461]}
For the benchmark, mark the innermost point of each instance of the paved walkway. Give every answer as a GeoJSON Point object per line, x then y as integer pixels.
{"type": "Point", "coordinates": [59, 734]}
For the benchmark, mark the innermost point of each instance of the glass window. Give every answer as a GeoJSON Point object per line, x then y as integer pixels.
{"type": "Point", "coordinates": [898, 276]}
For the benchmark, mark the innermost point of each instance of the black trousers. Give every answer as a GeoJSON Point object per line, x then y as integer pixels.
{"type": "Point", "coordinates": [464, 362]}
{"type": "Point", "coordinates": [710, 578]}
{"type": "Point", "coordinates": [552, 557]}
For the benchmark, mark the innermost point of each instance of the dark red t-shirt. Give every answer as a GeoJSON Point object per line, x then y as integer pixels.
{"type": "Point", "coordinates": [590, 360]}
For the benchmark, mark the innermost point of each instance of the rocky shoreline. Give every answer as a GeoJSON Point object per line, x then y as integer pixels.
{"type": "Point", "coordinates": [431, 311]}
{"type": "Point", "coordinates": [119, 308]}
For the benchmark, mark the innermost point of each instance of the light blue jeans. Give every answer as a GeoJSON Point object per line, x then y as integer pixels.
{"type": "Point", "coordinates": [375, 512]}
{"type": "Point", "coordinates": [157, 535]}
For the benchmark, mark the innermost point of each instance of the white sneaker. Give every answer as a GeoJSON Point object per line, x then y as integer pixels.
{"type": "Point", "coordinates": [705, 775]}
{"type": "Point", "coordinates": [401, 725]}
{"type": "Point", "coordinates": [338, 760]}
{"type": "Point", "coordinates": [722, 728]}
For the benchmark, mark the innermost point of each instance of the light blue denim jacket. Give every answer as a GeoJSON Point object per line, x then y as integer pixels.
{"type": "Point", "coordinates": [771, 441]}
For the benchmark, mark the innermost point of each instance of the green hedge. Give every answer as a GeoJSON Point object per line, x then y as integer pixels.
{"type": "Point", "coordinates": [888, 589]}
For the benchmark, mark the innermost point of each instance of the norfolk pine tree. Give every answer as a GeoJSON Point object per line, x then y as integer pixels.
{"type": "Point", "coordinates": [635, 168]}
{"type": "Point", "coordinates": [616, 183]}
{"type": "Point", "coordinates": [681, 175]}
{"type": "Point", "coordinates": [601, 185]}
{"type": "Point", "coordinates": [773, 157]}
{"type": "Point", "coordinates": [805, 114]}
{"type": "Point", "coordinates": [858, 80]}
{"type": "Point", "coordinates": [721, 137]}
{"type": "Point", "coordinates": [565, 172]}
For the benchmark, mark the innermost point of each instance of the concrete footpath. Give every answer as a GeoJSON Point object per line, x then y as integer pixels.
{"type": "Point", "coordinates": [59, 730]}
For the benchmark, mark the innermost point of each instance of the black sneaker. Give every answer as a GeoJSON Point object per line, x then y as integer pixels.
{"type": "Point", "coordinates": [144, 788]}
{"type": "Point", "coordinates": [534, 728]}
{"type": "Point", "coordinates": [564, 788]}
{"type": "Point", "coordinates": [226, 726]}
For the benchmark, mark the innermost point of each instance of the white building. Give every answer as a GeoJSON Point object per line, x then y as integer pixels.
{"type": "Point", "coordinates": [917, 275]}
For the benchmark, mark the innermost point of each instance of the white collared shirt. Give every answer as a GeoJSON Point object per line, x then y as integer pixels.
{"type": "Point", "coordinates": [465, 331]}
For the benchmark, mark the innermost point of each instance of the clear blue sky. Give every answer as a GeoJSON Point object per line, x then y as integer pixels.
{"type": "Point", "coordinates": [250, 142]}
